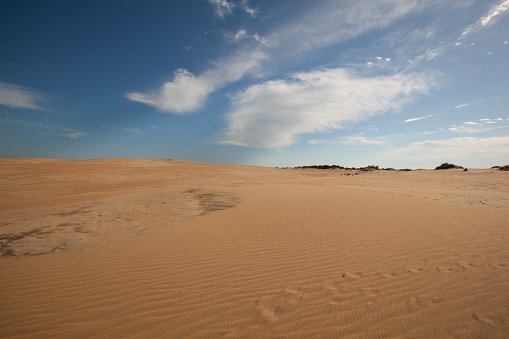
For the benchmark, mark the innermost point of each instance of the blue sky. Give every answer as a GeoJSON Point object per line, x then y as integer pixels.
{"type": "Point", "coordinates": [394, 83]}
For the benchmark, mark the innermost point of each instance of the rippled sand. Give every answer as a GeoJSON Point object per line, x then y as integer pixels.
{"type": "Point", "coordinates": [166, 248]}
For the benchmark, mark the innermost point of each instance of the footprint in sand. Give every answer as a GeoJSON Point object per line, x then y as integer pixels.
{"type": "Point", "coordinates": [269, 313]}
{"type": "Point", "coordinates": [486, 320]}
{"type": "Point", "coordinates": [369, 291]}
{"type": "Point", "coordinates": [465, 265]}
{"type": "Point", "coordinates": [443, 269]}
{"type": "Point", "coordinates": [351, 276]}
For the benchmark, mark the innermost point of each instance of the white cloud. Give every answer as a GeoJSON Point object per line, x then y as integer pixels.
{"type": "Point", "coordinates": [486, 19]}
{"type": "Point", "coordinates": [328, 23]}
{"type": "Point", "coordinates": [494, 11]}
{"type": "Point", "coordinates": [243, 34]}
{"type": "Point", "coordinates": [188, 92]}
{"type": "Point", "coordinates": [185, 93]}
{"type": "Point", "coordinates": [274, 113]}
{"type": "Point", "coordinates": [415, 119]}
{"type": "Point", "coordinates": [484, 125]}
{"type": "Point", "coordinates": [222, 7]}
{"type": "Point", "coordinates": [336, 21]}
{"type": "Point", "coordinates": [15, 96]}
{"type": "Point", "coordinates": [134, 131]}
{"type": "Point", "coordinates": [74, 135]}
{"type": "Point", "coordinates": [249, 10]}
{"type": "Point", "coordinates": [468, 147]}
{"type": "Point", "coordinates": [477, 127]}
{"type": "Point", "coordinates": [240, 34]}
{"type": "Point", "coordinates": [352, 140]}
{"type": "Point", "coordinates": [463, 105]}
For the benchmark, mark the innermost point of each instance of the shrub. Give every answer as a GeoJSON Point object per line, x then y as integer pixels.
{"type": "Point", "coordinates": [447, 165]}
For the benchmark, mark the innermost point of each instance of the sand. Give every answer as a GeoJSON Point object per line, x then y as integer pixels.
{"type": "Point", "coordinates": [167, 248]}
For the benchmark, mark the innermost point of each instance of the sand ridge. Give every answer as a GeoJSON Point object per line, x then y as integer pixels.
{"type": "Point", "coordinates": [287, 253]}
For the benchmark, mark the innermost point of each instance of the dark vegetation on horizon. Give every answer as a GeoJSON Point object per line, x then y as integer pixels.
{"type": "Point", "coordinates": [369, 168]}
{"type": "Point", "coordinates": [362, 169]}
{"type": "Point", "coordinates": [447, 165]}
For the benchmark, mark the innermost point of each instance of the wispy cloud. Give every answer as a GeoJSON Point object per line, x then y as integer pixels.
{"type": "Point", "coordinates": [324, 25]}
{"type": "Point", "coordinates": [475, 102]}
{"type": "Point", "coordinates": [484, 125]}
{"type": "Point", "coordinates": [274, 113]}
{"type": "Point", "coordinates": [58, 129]}
{"type": "Point", "coordinates": [330, 23]}
{"type": "Point", "coordinates": [187, 92]}
{"type": "Point", "coordinates": [351, 140]}
{"type": "Point", "coordinates": [242, 34]}
{"type": "Point", "coordinates": [463, 105]}
{"type": "Point", "coordinates": [224, 8]}
{"type": "Point", "coordinates": [133, 131]}
{"type": "Point", "coordinates": [468, 147]}
{"type": "Point", "coordinates": [494, 11]}
{"type": "Point", "coordinates": [15, 96]}
{"type": "Point", "coordinates": [248, 9]}
{"type": "Point", "coordinates": [420, 118]}
{"type": "Point", "coordinates": [468, 127]}
{"type": "Point", "coordinates": [74, 135]}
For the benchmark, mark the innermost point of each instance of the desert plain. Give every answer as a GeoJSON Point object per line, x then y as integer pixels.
{"type": "Point", "coordinates": [120, 248]}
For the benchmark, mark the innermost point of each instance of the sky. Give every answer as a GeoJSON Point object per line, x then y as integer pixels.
{"type": "Point", "coordinates": [278, 83]}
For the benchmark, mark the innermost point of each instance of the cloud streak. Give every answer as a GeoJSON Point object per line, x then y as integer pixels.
{"type": "Point", "coordinates": [15, 96]}
{"type": "Point", "coordinates": [273, 114]}
{"type": "Point", "coordinates": [467, 147]}
{"type": "Point", "coordinates": [61, 130]}
{"type": "Point", "coordinates": [494, 11]}
{"type": "Point", "coordinates": [223, 8]}
{"type": "Point", "coordinates": [352, 140]}
{"type": "Point", "coordinates": [420, 118]}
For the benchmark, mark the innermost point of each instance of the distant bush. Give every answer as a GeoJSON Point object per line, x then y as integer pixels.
{"type": "Point", "coordinates": [504, 168]}
{"type": "Point", "coordinates": [447, 165]}
{"type": "Point", "coordinates": [361, 169]}
{"type": "Point", "coordinates": [327, 167]}
{"type": "Point", "coordinates": [369, 168]}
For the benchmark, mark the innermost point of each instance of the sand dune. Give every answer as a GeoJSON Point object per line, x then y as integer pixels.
{"type": "Point", "coordinates": [160, 248]}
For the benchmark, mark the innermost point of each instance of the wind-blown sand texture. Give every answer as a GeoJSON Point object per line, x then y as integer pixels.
{"type": "Point", "coordinates": [165, 248]}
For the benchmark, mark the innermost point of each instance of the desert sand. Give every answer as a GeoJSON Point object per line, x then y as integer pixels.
{"type": "Point", "coordinates": [166, 248]}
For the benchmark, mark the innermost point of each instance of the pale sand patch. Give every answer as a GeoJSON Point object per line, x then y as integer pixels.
{"type": "Point", "coordinates": [287, 253]}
